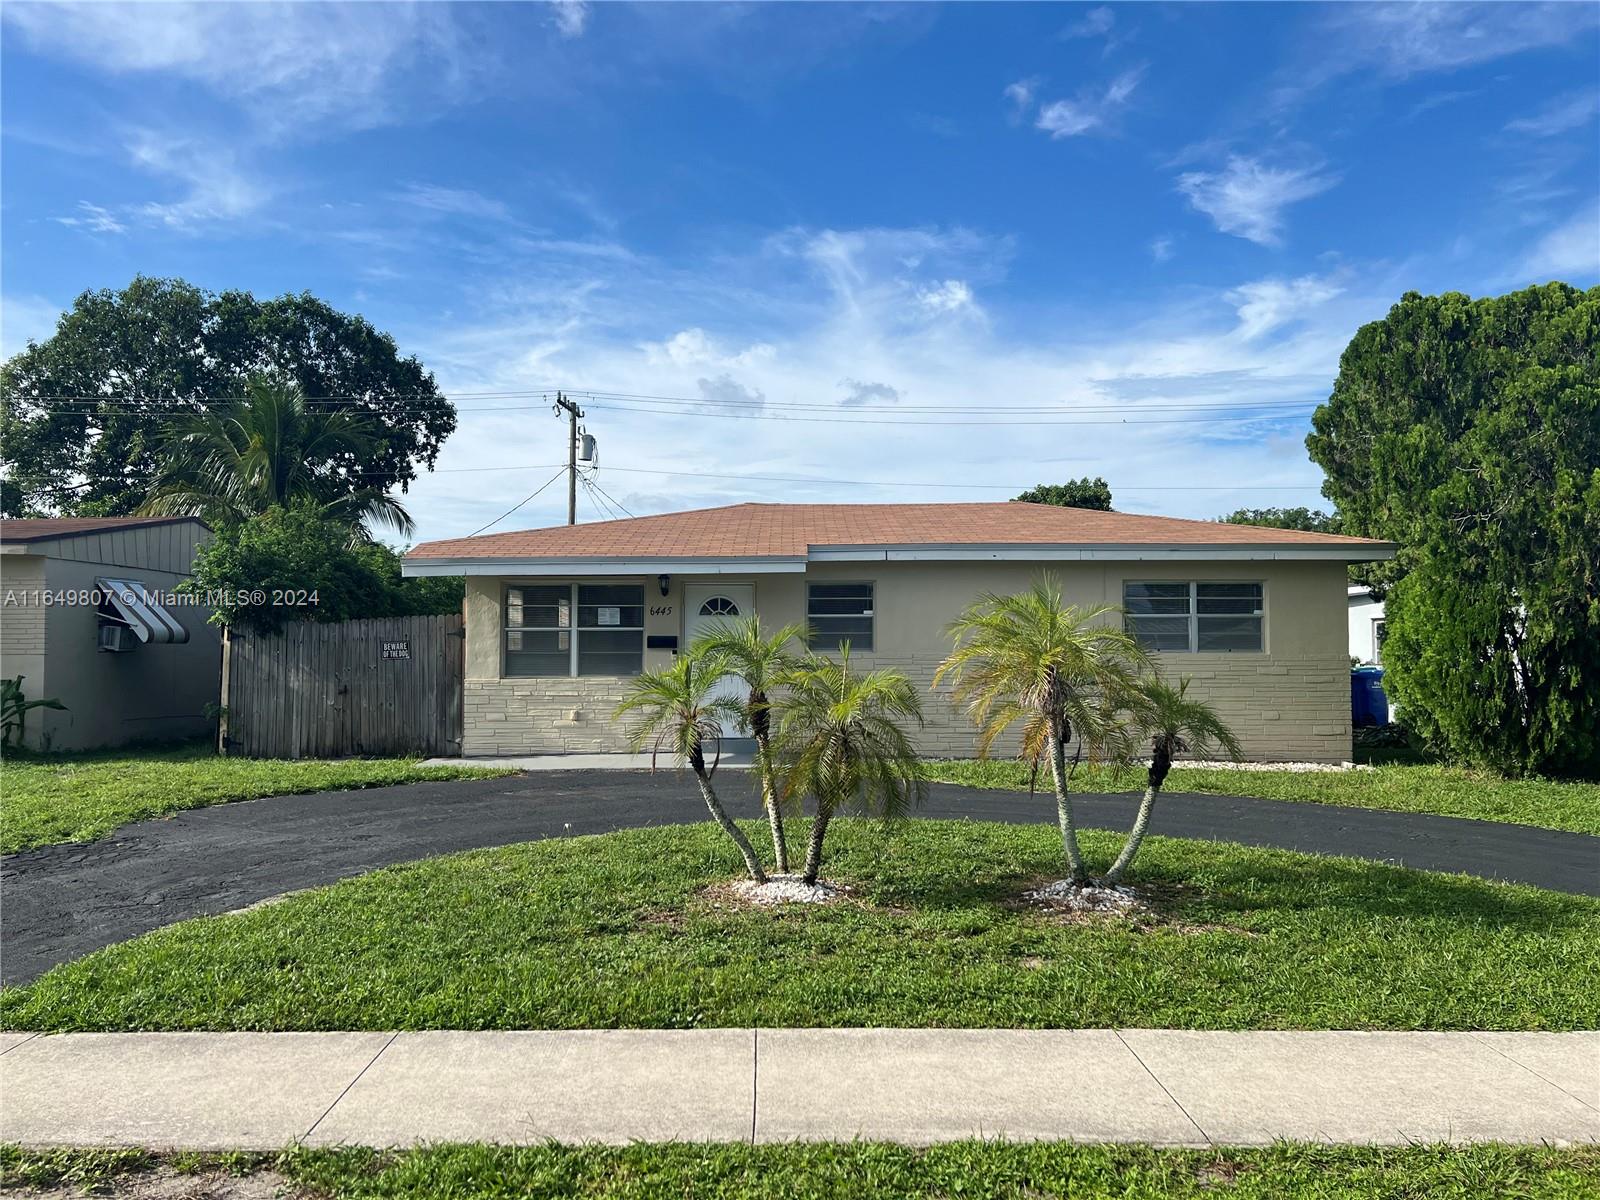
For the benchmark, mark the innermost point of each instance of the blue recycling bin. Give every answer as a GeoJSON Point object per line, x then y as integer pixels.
{"type": "Point", "coordinates": [1368, 704]}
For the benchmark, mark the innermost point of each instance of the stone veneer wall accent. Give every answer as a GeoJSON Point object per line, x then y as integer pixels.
{"type": "Point", "coordinates": [536, 716]}
{"type": "Point", "coordinates": [1282, 709]}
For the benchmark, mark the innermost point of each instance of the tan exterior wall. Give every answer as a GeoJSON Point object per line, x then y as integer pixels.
{"type": "Point", "coordinates": [150, 693]}
{"type": "Point", "coordinates": [1291, 702]}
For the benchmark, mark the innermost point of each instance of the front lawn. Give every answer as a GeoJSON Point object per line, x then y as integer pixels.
{"type": "Point", "coordinates": [78, 798]}
{"type": "Point", "coordinates": [1447, 791]}
{"type": "Point", "coordinates": [619, 931]}
{"type": "Point", "coordinates": [855, 1171]}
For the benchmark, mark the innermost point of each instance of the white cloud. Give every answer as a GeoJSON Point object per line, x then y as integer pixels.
{"type": "Point", "coordinates": [93, 218]}
{"type": "Point", "coordinates": [859, 393]}
{"type": "Point", "coordinates": [1565, 113]}
{"type": "Point", "coordinates": [1413, 38]}
{"type": "Point", "coordinates": [1570, 251]}
{"type": "Point", "coordinates": [350, 65]}
{"type": "Point", "coordinates": [1091, 109]}
{"type": "Point", "coordinates": [1021, 94]}
{"type": "Point", "coordinates": [571, 16]}
{"type": "Point", "coordinates": [1266, 304]}
{"type": "Point", "coordinates": [949, 297]}
{"type": "Point", "coordinates": [1097, 22]}
{"type": "Point", "coordinates": [462, 202]}
{"type": "Point", "coordinates": [1247, 198]}
{"type": "Point", "coordinates": [1161, 249]}
{"type": "Point", "coordinates": [730, 396]}
{"type": "Point", "coordinates": [695, 347]}
{"type": "Point", "coordinates": [216, 188]}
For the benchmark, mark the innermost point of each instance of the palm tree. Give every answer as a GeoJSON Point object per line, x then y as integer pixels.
{"type": "Point", "coordinates": [678, 713]}
{"type": "Point", "coordinates": [760, 663]}
{"type": "Point", "coordinates": [267, 449]}
{"type": "Point", "coordinates": [840, 741]}
{"type": "Point", "coordinates": [1061, 671]}
{"type": "Point", "coordinates": [1176, 725]}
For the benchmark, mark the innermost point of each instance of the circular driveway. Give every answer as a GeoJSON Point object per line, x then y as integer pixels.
{"type": "Point", "coordinates": [60, 902]}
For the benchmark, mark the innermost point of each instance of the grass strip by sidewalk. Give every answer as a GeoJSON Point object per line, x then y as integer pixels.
{"type": "Point", "coordinates": [1431, 788]}
{"type": "Point", "coordinates": [79, 798]}
{"type": "Point", "coordinates": [629, 930]}
{"type": "Point", "coordinates": [838, 1171]}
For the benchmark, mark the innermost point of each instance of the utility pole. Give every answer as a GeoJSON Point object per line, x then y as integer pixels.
{"type": "Point", "coordinates": [573, 413]}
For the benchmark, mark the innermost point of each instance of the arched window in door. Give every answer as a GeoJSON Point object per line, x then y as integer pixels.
{"type": "Point", "coordinates": [719, 606]}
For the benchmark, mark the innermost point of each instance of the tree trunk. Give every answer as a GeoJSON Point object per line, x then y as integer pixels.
{"type": "Point", "coordinates": [751, 862]}
{"type": "Point", "coordinates": [1160, 764]}
{"type": "Point", "coordinates": [769, 797]}
{"type": "Point", "coordinates": [1069, 835]}
{"type": "Point", "coordinates": [1130, 848]}
{"type": "Point", "coordinates": [819, 830]}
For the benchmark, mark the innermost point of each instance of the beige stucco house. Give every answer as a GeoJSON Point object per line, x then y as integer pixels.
{"type": "Point", "coordinates": [88, 616]}
{"type": "Point", "coordinates": [558, 619]}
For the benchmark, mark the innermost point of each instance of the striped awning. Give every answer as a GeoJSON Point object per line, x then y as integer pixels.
{"type": "Point", "coordinates": [141, 612]}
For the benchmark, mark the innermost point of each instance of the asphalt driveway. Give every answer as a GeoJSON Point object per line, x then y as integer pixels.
{"type": "Point", "coordinates": [60, 902]}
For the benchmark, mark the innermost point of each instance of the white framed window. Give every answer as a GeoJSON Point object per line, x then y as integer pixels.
{"type": "Point", "coordinates": [574, 629]}
{"type": "Point", "coordinates": [839, 613]}
{"type": "Point", "coordinates": [1379, 631]}
{"type": "Point", "coordinates": [1192, 617]}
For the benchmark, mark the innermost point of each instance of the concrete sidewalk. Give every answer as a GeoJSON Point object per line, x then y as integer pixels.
{"type": "Point", "coordinates": [1167, 1087]}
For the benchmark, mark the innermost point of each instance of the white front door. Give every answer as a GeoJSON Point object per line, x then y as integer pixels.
{"type": "Point", "coordinates": [707, 603]}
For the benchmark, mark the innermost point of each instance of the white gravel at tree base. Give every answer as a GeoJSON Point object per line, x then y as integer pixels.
{"type": "Point", "coordinates": [1095, 898]}
{"type": "Point", "coordinates": [786, 889]}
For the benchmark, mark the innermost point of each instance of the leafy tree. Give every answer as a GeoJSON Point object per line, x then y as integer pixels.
{"type": "Point", "coordinates": [1308, 520]}
{"type": "Point", "coordinates": [760, 661]}
{"type": "Point", "coordinates": [301, 550]}
{"type": "Point", "coordinates": [678, 711]}
{"type": "Point", "coordinates": [1074, 493]}
{"type": "Point", "coordinates": [841, 742]}
{"type": "Point", "coordinates": [1468, 431]}
{"type": "Point", "coordinates": [269, 449]}
{"type": "Point", "coordinates": [1059, 670]}
{"type": "Point", "coordinates": [81, 413]}
{"type": "Point", "coordinates": [1175, 725]}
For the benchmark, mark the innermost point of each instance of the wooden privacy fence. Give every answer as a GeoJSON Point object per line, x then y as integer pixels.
{"type": "Point", "coordinates": [390, 686]}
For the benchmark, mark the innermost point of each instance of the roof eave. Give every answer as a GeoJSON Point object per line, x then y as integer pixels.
{"type": "Point", "coordinates": [414, 566]}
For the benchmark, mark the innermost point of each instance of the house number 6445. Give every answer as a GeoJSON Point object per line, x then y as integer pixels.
{"type": "Point", "coordinates": [661, 610]}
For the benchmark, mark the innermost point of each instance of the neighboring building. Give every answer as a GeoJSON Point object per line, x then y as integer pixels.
{"type": "Point", "coordinates": [558, 619]}
{"type": "Point", "coordinates": [86, 617]}
{"type": "Point", "coordinates": [1366, 625]}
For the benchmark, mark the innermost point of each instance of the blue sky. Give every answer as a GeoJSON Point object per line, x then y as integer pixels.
{"type": "Point", "coordinates": [824, 227]}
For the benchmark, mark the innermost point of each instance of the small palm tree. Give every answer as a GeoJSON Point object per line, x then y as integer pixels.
{"type": "Point", "coordinates": [840, 741]}
{"type": "Point", "coordinates": [1176, 725]}
{"type": "Point", "coordinates": [679, 714]}
{"type": "Point", "coordinates": [1061, 671]}
{"type": "Point", "coordinates": [760, 661]}
{"type": "Point", "coordinates": [269, 449]}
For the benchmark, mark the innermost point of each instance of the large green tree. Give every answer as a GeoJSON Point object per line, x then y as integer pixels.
{"type": "Point", "coordinates": [1468, 431]}
{"type": "Point", "coordinates": [1074, 493]}
{"type": "Point", "coordinates": [1308, 520]}
{"type": "Point", "coordinates": [297, 563]}
{"type": "Point", "coordinates": [83, 412]}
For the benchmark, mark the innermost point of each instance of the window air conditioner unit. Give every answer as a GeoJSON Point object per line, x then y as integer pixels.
{"type": "Point", "coordinates": [117, 638]}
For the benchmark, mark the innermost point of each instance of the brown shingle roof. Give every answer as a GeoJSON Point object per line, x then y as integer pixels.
{"type": "Point", "coordinates": [41, 529]}
{"type": "Point", "coordinates": [789, 530]}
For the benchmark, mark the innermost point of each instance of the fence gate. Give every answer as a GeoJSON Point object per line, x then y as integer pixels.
{"type": "Point", "coordinates": [380, 687]}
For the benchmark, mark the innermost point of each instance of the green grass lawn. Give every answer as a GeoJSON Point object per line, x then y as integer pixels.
{"type": "Point", "coordinates": [618, 931]}
{"type": "Point", "coordinates": [854, 1171]}
{"type": "Point", "coordinates": [78, 798]}
{"type": "Point", "coordinates": [1448, 791]}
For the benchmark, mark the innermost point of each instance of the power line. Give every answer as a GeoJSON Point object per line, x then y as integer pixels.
{"type": "Point", "coordinates": [520, 503]}
{"type": "Point", "coordinates": [607, 495]}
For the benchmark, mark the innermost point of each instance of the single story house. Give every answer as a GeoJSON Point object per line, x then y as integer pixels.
{"type": "Point", "coordinates": [558, 619]}
{"type": "Point", "coordinates": [89, 616]}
